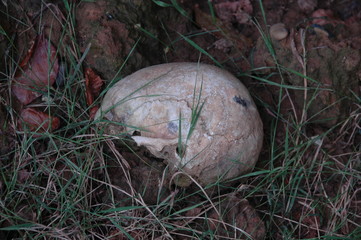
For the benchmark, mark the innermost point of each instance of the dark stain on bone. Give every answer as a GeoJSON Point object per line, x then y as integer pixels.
{"type": "Point", "coordinates": [172, 127]}
{"type": "Point", "coordinates": [244, 102]}
{"type": "Point", "coordinates": [109, 16]}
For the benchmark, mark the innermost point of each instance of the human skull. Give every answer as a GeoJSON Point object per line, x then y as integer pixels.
{"type": "Point", "coordinates": [199, 118]}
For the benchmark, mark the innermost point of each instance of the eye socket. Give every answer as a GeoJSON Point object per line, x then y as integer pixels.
{"type": "Point", "coordinates": [136, 133]}
{"type": "Point", "coordinates": [181, 150]}
{"type": "Point", "coordinates": [166, 154]}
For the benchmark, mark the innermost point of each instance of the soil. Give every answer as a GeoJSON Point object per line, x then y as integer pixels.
{"type": "Point", "coordinates": [120, 37]}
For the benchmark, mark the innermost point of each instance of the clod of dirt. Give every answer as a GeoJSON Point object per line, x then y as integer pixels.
{"type": "Point", "coordinates": [323, 17]}
{"type": "Point", "coordinates": [237, 212]}
{"type": "Point", "coordinates": [278, 31]}
{"type": "Point", "coordinates": [332, 68]}
{"type": "Point", "coordinates": [307, 5]}
{"type": "Point", "coordinates": [110, 33]}
{"type": "Point", "coordinates": [234, 12]}
{"type": "Point", "coordinates": [198, 118]}
{"type": "Point", "coordinates": [107, 41]}
{"type": "Point", "coordinates": [146, 179]}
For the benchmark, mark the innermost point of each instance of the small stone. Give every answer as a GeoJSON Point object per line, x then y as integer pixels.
{"type": "Point", "coordinates": [278, 31]}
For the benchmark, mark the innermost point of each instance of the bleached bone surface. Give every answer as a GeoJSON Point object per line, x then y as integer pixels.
{"type": "Point", "coordinates": [159, 102]}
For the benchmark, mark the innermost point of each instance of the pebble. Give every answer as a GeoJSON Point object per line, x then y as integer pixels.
{"type": "Point", "coordinates": [278, 31]}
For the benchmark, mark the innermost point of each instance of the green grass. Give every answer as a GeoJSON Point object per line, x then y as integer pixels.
{"type": "Point", "coordinates": [58, 185]}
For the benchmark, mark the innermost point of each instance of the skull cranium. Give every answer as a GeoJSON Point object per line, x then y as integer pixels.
{"type": "Point", "coordinates": [199, 118]}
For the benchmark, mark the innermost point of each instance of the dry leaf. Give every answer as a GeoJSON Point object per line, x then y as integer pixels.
{"type": "Point", "coordinates": [93, 84]}
{"type": "Point", "coordinates": [93, 111]}
{"type": "Point", "coordinates": [28, 55]}
{"type": "Point", "coordinates": [39, 70]}
{"type": "Point", "coordinates": [38, 121]}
